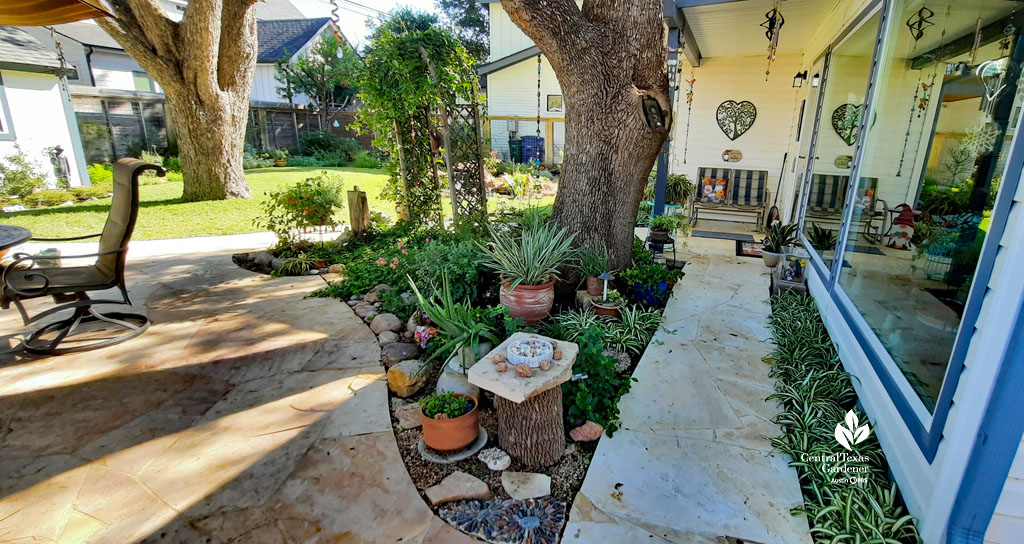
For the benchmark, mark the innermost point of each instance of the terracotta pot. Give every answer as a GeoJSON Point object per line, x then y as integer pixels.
{"type": "Point", "coordinates": [530, 302]}
{"type": "Point", "coordinates": [659, 236]}
{"type": "Point", "coordinates": [281, 162]}
{"type": "Point", "coordinates": [606, 310]}
{"type": "Point", "coordinates": [452, 434]}
{"type": "Point", "coordinates": [771, 259]}
{"type": "Point", "coordinates": [594, 287]}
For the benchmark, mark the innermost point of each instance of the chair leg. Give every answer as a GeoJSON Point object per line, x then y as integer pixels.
{"type": "Point", "coordinates": [134, 324]}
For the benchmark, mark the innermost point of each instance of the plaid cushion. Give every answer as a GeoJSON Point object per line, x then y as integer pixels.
{"type": "Point", "coordinates": [827, 192]}
{"type": "Point", "coordinates": [748, 187]}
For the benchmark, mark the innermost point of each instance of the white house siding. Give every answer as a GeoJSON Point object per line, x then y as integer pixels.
{"type": "Point", "coordinates": [39, 121]}
{"type": "Point", "coordinates": [506, 38]}
{"type": "Point", "coordinates": [114, 70]}
{"type": "Point", "coordinates": [1008, 522]}
{"type": "Point", "coordinates": [769, 138]}
{"type": "Point", "coordinates": [264, 87]}
{"type": "Point", "coordinates": [513, 92]}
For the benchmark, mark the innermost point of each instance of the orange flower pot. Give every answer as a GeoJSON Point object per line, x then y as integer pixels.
{"type": "Point", "coordinates": [452, 434]}
{"type": "Point", "coordinates": [530, 302]}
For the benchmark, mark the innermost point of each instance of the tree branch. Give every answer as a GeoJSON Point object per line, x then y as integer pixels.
{"type": "Point", "coordinates": [237, 48]}
{"type": "Point", "coordinates": [556, 26]}
{"type": "Point", "coordinates": [199, 44]}
{"type": "Point", "coordinates": [127, 31]}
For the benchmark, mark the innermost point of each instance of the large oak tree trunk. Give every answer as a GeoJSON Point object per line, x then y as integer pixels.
{"type": "Point", "coordinates": [607, 56]}
{"type": "Point", "coordinates": [205, 64]}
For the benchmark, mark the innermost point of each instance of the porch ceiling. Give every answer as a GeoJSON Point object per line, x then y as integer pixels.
{"type": "Point", "coordinates": [733, 28]}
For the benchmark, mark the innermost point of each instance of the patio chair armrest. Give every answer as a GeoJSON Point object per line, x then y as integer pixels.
{"type": "Point", "coordinates": [87, 236]}
{"type": "Point", "coordinates": [22, 257]}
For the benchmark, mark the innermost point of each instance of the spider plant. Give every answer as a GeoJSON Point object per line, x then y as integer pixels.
{"type": "Point", "coordinates": [532, 258]}
{"type": "Point", "coordinates": [298, 265]}
{"type": "Point", "coordinates": [593, 260]}
{"type": "Point", "coordinates": [779, 236]}
{"type": "Point", "coordinates": [457, 321]}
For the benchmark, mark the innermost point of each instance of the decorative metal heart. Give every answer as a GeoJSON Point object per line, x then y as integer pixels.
{"type": "Point", "coordinates": [846, 122]}
{"type": "Point", "coordinates": [736, 118]}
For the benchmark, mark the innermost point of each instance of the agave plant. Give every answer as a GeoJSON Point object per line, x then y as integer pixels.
{"type": "Point", "coordinates": [532, 257]}
{"type": "Point", "coordinates": [456, 320]}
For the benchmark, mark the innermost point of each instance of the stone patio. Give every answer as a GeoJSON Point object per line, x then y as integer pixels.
{"type": "Point", "coordinates": [245, 413]}
{"type": "Point", "coordinates": [692, 462]}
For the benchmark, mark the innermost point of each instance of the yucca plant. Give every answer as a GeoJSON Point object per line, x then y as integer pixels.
{"type": "Point", "coordinates": [457, 321]}
{"type": "Point", "coordinates": [531, 258]}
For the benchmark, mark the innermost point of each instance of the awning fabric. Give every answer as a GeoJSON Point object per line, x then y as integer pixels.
{"type": "Point", "coordinates": [49, 12]}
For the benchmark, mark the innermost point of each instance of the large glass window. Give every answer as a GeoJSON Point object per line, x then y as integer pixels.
{"type": "Point", "coordinates": [930, 170]}
{"type": "Point", "coordinates": [838, 131]}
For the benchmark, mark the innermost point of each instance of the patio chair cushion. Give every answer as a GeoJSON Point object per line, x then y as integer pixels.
{"type": "Point", "coordinates": [827, 192]}
{"type": "Point", "coordinates": [62, 280]}
{"type": "Point", "coordinates": [749, 187]}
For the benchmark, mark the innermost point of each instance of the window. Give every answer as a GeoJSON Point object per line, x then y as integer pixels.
{"type": "Point", "coordinates": [6, 128]}
{"type": "Point", "coordinates": [847, 71]}
{"type": "Point", "coordinates": [931, 166]}
{"type": "Point", "coordinates": [142, 81]}
{"type": "Point", "coordinates": [555, 103]}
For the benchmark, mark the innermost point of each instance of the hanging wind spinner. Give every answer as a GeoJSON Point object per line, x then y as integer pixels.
{"type": "Point", "coordinates": [773, 27]}
{"type": "Point", "coordinates": [919, 22]}
{"type": "Point", "coordinates": [689, 112]}
{"type": "Point", "coordinates": [335, 24]}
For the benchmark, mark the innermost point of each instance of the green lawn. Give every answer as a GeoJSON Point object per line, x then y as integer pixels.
{"type": "Point", "coordinates": [162, 214]}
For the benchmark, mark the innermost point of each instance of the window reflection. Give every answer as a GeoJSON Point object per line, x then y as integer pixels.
{"type": "Point", "coordinates": [931, 168]}
{"type": "Point", "coordinates": [838, 133]}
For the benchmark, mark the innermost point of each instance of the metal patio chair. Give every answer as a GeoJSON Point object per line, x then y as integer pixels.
{"type": "Point", "coordinates": [70, 286]}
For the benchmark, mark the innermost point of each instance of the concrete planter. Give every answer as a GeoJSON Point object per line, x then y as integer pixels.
{"type": "Point", "coordinates": [771, 259]}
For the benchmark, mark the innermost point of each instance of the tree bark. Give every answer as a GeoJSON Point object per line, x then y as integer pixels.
{"type": "Point", "coordinates": [205, 64]}
{"type": "Point", "coordinates": [532, 431]}
{"type": "Point", "coordinates": [607, 57]}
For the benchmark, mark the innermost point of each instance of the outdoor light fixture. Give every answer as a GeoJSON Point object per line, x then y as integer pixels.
{"type": "Point", "coordinates": [605, 277]}
{"type": "Point", "coordinates": [816, 80]}
{"type": "Point", "coordinates": [799, 78]}
{"type": "Point", "coordinates": [653, 113]}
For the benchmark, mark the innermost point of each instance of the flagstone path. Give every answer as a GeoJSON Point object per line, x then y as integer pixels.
{"type": "Point", "coordinates": [246, 413]}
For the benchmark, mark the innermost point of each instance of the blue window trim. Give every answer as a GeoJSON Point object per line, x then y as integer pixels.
{"type": "Point", "coordinates": [927, 431]}
{"type": "Point", "coordinates": [5, 112]}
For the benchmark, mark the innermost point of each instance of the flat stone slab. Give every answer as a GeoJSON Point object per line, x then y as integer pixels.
{"type": "Point", "coordinates": [447, 458]}
{"type": "Point", "coordinates": [508, 385]}
{"type": "Point", "coordinates": [458, 486]}
{"type": "Point", "coordinates": [526, 485]}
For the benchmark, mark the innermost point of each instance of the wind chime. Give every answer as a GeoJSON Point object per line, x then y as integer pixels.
{"type": "Point", "coordinates": [689, 112]}
{"type": "Point", "coordinates": [335, 23]}
{"type": "Point", "coordinates": [539, 146]}
{"type": "Point", "coordinates": [773, 27]}
{"type": "Point", "coordinates": [917, 24]}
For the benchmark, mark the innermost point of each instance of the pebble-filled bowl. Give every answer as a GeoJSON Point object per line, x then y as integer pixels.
{"type": "Point", "coordinates": [529, 351]}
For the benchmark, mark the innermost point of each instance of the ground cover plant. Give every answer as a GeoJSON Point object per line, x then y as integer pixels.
{"type": "Point", "coordinates": [848, 496]}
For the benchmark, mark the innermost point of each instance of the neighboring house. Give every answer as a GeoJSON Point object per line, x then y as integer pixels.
{"type": "Point", "coordinates": [283, 40]}
{"type": "Point", "coordinates": [35, 110]}
{"type": "Point", "coordinates": [853, 118]}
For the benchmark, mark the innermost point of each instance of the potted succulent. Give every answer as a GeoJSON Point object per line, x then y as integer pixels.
{"type": "Point", "coordinates": [661, 226]}
{"type": "Point", "coordinates": [651, 282]}
{"type": "Point", "coordinates": [609, 304]}
{"type": "Point", "coordinates": [457, 321]}
{"type": "Point", "coordinates": [776, 238]}
{"type": "Point", "coordinates": [823, 240]}
{"type": "Point", "coordinates": [528, 265]}
{"type": "Point", "coordinates": [450, 421]}
{"type": "Point", "coordinates": [280, 157]}
{"type": "Point", "coordinates": [593, 263]}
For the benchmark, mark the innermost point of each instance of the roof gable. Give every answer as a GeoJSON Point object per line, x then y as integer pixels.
{"type": "Point", "coordinates": [282, 38]}
{"type": "Point", "coordinates": [19, 50]}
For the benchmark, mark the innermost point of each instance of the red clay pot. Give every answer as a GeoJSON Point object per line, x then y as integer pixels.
{"type": "Point", "coordinates": [605, 310]}
{"type": "Point", "coordinates": [594, 287]}
{"type": "Point", "coordinates": [530, 302]}
{"type": "Point", "coordinates": [451, 434]}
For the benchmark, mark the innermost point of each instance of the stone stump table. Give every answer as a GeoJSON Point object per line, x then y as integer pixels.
{"type": "Point", "coordinates": [529, 409]}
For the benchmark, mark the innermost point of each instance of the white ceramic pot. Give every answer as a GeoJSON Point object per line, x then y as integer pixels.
{"type": "Point", "coordinates": [771, 259]}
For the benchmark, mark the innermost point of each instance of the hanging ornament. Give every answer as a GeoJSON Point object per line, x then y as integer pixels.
{"type": "Point", "coordinates": [917, 23]}
{"type": "Point", "coordinates": [689, 112]}
{"type": "Point", "coordinates": [920, 21]}
{"type": "Point", "coordinates": [336, 22]}
{"type": "Point", "coordinates": [980, 139]}
{"type": "Point", "coordinates": [539, 146]}
{"type": "Point", "coordinates": [773, 27]}
{"type": "Point", "coordinates": [977, 42]}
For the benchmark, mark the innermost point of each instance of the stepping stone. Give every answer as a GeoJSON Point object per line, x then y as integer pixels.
{"type": "Point", "coordinates": [526, 485]}
{"type": "Point", "coordinates": [458, 486]}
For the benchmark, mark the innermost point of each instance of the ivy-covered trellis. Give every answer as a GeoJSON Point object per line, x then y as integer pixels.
{"type": "Point", "coordinates": [420, 101]}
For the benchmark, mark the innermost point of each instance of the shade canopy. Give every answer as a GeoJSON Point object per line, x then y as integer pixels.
{"type": "Point", "coordinates": [49, 12]}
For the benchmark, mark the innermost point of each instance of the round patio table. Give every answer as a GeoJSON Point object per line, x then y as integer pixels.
{"type": "Point", "coordinates": [11, 235]}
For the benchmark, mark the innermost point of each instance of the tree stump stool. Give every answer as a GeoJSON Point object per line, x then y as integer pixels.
{"type": "Point", "coordinates": [530, 426]}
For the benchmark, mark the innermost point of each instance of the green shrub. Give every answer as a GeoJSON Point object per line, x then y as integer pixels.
{"type": "Point", "coordinates": [175, 176]}
{"type": "Point", "coordinates": [319, 140]}
{"type": "Point", "coordinates": [250, 161]}
{"type": "Point", "coordinates": [458, 260]}
{"type": "Point", "coordinates": [364, 159]}
{"type": "Point", "coordinates": [100, 174]}
{"type": "Point", "coordinates": [597, 396]}
{"type": "Point", "coordinates": [18, 176]}
{"type": "Point", "coordinates": [47, 198]}
{"type": "Point", "coordinates": [331, 158]}
{"type": "Point", "coordinates": [151, 157]}
{"type": "Point", "coordinates": [445, 403]}
{"type": "Point", "coordinates": [96, 190]}
{"type": "Point", "coordinates": [278, 154]}
{"type": "Point", "coordinates": [349, 148]}
{"type": "Point", "coordinates": [303, 161]}
{"type": "Point", "coordinates": [309, 204]}
{"type": "Point", "coordinates": [172, 164]}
